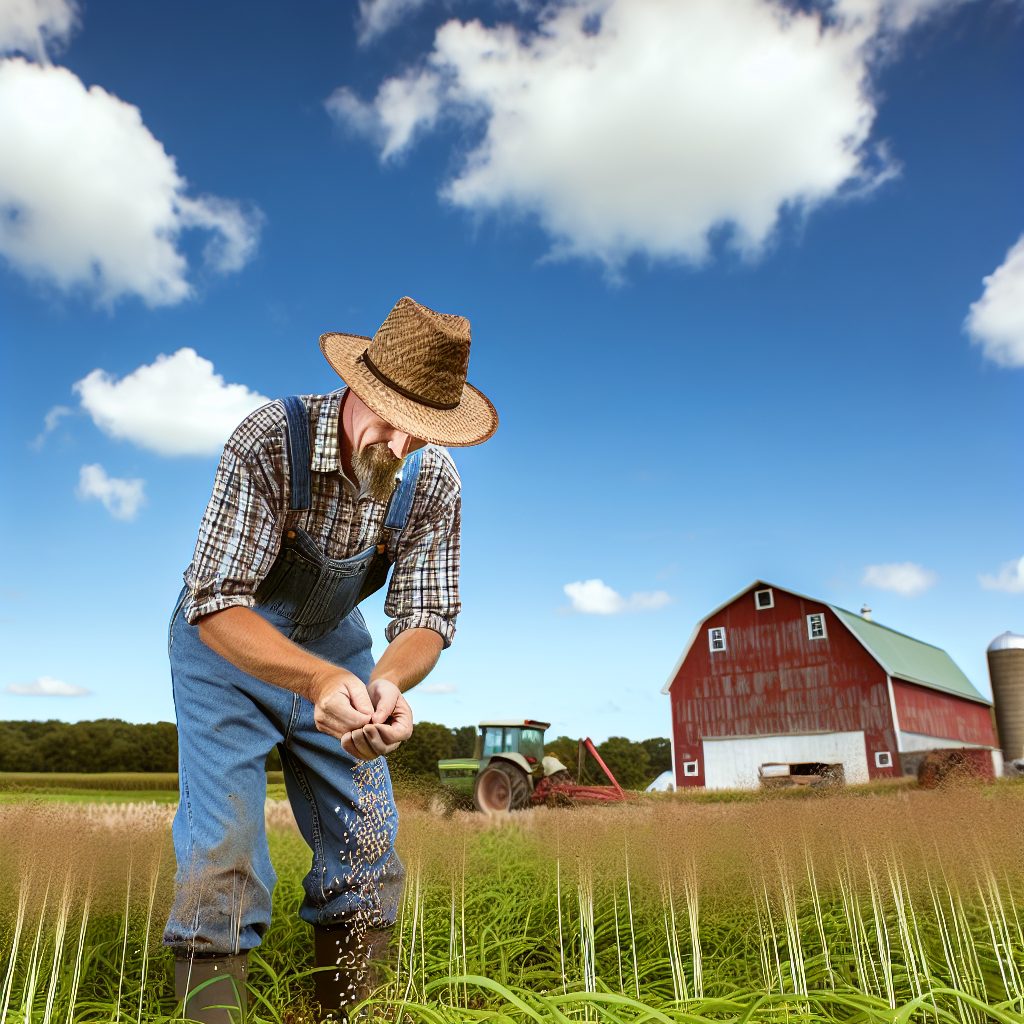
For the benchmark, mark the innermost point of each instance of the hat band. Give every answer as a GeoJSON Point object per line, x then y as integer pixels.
{"type": "Point", "coordinates": [404, 392]}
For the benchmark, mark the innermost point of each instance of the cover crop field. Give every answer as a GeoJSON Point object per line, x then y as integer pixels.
{"type": "Point", "coordinates": [901, 906]}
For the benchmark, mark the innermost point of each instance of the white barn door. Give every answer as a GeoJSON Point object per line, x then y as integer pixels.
{"type": "Point", "coordinates": [733, 763]}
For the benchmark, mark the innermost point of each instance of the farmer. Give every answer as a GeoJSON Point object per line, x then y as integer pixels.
{"type": "Point", "coordinates": [268, 647]}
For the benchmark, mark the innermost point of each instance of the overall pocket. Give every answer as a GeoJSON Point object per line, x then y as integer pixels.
{"type": "Point", "coordinates": [174, 615]}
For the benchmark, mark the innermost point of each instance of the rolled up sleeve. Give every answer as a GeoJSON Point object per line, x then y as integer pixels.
{"type": "Point", "coordinates": [424, 590]}
{"type": "Point", "coordinates": [239, 537]}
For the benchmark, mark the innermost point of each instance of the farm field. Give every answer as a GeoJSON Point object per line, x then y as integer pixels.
{"type": "Point", "coordinates": [891, 905]}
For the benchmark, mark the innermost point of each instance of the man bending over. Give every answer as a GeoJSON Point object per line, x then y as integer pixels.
{"type": "Point", "coordinates": [315, 498]}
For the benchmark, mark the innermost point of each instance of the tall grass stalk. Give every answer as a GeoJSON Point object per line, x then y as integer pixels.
{"type": "Point", "coordinates": [59, 930]}
{"type": "Point", "coordinates": [154, 877]}
{"type": "Point", "coordinates": [632, 929]}
{"type": "Point", "coordinates": [76, 975]}
{"type": "Point", "coordinates": [124, 944]}
{"type": "Point", "coordinates": [884, 952]}
{"type": "Point", "coordinates": [19, 923]}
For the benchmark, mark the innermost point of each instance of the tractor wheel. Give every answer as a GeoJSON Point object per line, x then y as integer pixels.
{"type": "Point", "coordinates": [501, 786]}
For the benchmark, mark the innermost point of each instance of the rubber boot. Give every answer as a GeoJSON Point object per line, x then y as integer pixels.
{"type": "Point", "coordinates": [354, 952]}
{"type": "Point", "coordinates": [223, 996]}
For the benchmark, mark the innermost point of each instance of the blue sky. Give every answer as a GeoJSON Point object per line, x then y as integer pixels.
{"type": "Point", "coordinates": [719, 265]}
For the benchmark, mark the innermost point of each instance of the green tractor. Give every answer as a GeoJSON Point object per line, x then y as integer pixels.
{"type": "Point", "coordinates": [507, 760]}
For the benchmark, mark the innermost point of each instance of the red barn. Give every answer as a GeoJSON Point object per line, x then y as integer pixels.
{"type": "Point", "coordinates": [774, 678]}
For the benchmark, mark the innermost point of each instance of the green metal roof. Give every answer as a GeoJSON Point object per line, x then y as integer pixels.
{"type": "Point", "coordinates": [906, 658]}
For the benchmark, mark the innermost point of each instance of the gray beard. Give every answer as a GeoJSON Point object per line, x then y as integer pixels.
{"type": "Point", "coordinates": [376, 469]}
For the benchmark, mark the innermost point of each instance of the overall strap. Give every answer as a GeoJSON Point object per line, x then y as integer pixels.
{"type": "Point", "coordinates": [298, 451]}
{"type": "Point", "coordinates": [401, 500]}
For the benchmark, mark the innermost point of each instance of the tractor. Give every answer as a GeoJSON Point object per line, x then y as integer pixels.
{"type": "Point", "coordinates": [508, 770]}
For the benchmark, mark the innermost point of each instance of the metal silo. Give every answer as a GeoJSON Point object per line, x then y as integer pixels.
{"type": "Point", "coordinates": [1006, 670]}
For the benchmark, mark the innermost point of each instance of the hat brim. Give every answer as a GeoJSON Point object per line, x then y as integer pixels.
{"type": "Point", "coordinates": [471, 422]}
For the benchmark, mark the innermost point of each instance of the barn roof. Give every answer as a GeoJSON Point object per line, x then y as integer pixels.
{"type": "Point", "coordinates": [900, 655]}
{"type": "Point", "coordinates": [906, 658]}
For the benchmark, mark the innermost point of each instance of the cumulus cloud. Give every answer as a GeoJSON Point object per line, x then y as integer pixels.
{"type": "Point", "coordinates": [1010, 578]}
{"type": "Point", "coordinates": [176, 405]}
{"type": "Point", "coordinates": [33, 27]}
{"type": "Point", "coordinates": [47, 686]}
{"type": "Point", "coordinates": [996, 320]}
{"type": "Point", "coordinates": [908, 579]}
{"type": "Point", "coordinates": [595, 597]}
{"type": "Point", "coordinates": [89, 199]}
{"type": "Point", "coordinates": [121, 498]}
{"type": "Point", "coordinates": [437, 688]}
{"type": "Point", "coordinates": [647, 126]}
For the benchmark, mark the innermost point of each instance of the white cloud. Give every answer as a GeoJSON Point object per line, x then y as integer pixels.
{"type": "Point", "coordinates": [648, 600]}
{"type": "Point", "coordinates": [50, 423]}
{"type": "Point", "coordinates": [908, 579]}
{"type": "Point", "coordinates": [89, 199]}
{"type": "Point", "coordinates": [177, 405]}
{"type": "Point", "coordinates": [595, 597]}
{"type": "Point", "coordinates": [121, 498]}
{"type": "Point", "coordinates": [378, 16]}
{"type": "Point", "coordinates": [996, 320]}
{"type": "Point", "coordinates": [403, 108]}
{"type": "Point", "coordinates": [1009, 579]}
{"type": "Point", "coordinates": [46, 686]}
{"type": "Point", "coordinates": [32, 27]}
{"type": "Point", "coordinates": [437, 688]}
{"type": "Point", "coordinates": [645, 126]}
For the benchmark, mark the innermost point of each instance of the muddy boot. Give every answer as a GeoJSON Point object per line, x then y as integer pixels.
{"type": "Point", "coordinates": [222, 998]}
{"type": "Point", "coordinates": [353, 951]}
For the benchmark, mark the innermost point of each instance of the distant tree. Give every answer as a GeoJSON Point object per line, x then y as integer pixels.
{"type": "Point", "coordinates": [15, 746]}
{"type": "Point", "coordinates": [567, 751]}
{"type": "Point", "coordinates": [628, 761]}
{"type": "Point", "coordinates": [158, 746]}
{"type": "Point", "coordinates": [464, 741]}
{"type": "Point", "coordinates": [417, 757]}
{"type": "Point", "coordinates": [659, 750]}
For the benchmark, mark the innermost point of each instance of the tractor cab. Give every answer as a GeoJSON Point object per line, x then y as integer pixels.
{"type": "Point", "coordinates": [500, 775]}
{"type": "Point", "coordinates": [521, 737]}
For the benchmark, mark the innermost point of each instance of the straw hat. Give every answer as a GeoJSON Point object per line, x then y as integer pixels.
{"type": "Point", "coordinates": [412, 373]}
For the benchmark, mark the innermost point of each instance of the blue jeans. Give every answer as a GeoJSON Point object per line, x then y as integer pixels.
{"type": "Point", "coordinates": [228, 722]}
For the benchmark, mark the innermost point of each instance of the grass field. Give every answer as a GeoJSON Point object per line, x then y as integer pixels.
{"type": "Point", "coordinates": [878, 906]}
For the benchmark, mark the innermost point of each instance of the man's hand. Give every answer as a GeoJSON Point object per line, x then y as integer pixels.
{"type": "Point", "coordinates": [389, 725]}
{"type": "Point", "coordinates": [342, 705]}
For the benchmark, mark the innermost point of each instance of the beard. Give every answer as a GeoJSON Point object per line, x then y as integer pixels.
{"type": "Point", "coordinates": [376, 468]}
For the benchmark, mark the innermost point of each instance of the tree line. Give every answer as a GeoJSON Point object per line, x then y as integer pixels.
{"type": "Point", "coordinates": [105, 745]}
{"type": "Point", "coordinates": [111, 745]}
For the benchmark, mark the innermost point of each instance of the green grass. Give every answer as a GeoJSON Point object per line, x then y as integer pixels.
{"type": "Point", "coordinates": [116, 782]}
{"type": "Point", "coordinates": [104, 787]}
{"type": "Point", "coordinates": [903, 906]}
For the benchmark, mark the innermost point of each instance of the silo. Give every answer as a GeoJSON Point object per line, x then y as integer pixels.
{"type": "Point", "coordinates": [1006, 670]}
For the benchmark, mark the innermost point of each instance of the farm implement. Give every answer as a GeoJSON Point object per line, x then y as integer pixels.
{"type": "Point", "coordinates": [509, 771]}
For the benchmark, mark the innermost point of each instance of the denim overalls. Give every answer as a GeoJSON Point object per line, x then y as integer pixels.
{"type": "Point", "coordinates": [228, 721]}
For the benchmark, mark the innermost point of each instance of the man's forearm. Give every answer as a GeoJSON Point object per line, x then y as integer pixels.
{"type": "Point", "coordinates": [409, 658]}
{"type": "Point", "coordinates": [251, 643]}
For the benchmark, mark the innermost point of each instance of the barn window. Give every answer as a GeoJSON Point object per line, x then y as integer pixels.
{"type": "Point", "coordinates": [816, 626]}
{"type": "Point", "coordinates": [883, 759]}
{"type": "Point", "coordinates": [764, 599]}
{"type": "Point", "coordinates": [716, 638]}
{"type": "Point", "coordinates": [690, 768]}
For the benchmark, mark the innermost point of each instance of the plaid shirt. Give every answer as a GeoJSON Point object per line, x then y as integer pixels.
{"type": "Point", "coordinates": [241, 531]}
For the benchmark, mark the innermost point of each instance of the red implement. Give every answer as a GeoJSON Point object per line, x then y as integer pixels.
{"type": "Point", "coordinates": [557, 792]}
